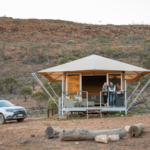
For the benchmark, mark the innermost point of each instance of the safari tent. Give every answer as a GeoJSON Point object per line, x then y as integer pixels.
{"type": "Point", "coordinates": [82, 82]}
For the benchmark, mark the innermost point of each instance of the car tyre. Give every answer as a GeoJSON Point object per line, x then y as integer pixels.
{"type": "Point", "coordinates": [2, 119]}
{"type": "Point", "coordinates": [20, 120]}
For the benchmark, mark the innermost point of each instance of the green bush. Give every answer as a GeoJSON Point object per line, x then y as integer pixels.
{"type": "Point", "coordinates": [71, 42]}
{"type": "Point", "coordinates": [7, 56]}
{"type": "Point", "coordinates": [22, 55]}
{"type": "Point", "coordinates": [21, 45]}
{"type": "Point", "coordinates": [146, 103]}
{"type": "Point", "coordinates": [51, 104]}
{"type": "Point", "coordinates": [26, 60]}
{"type": "Point", "coordinates": [39, 96]}
{"type": "Point", "coordinates": [72, 58]}
{"type": "Point", "coordinates": [63, 60]}
{"type": "Point", "coordinates": [34, 59]}
{"type": "Point", "coordinates": [18, 52]}
{"type": "Point", "coordinates": [104, 38]}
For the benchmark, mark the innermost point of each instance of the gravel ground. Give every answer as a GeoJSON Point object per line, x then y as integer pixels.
{"type": "Point", "coordinates": [17, 136]}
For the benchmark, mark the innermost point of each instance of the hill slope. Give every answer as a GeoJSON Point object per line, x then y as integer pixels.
{"type": "Point", "coordinates": [28, 45]}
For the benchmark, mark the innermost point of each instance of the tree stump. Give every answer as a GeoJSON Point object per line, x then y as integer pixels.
{"type": "Point", "coordinates": [136, 129]}
{"type": "Point", "coordinates": [103, 138]}
{"type": "Point", "coordinates": [127, 128]}
{"type": "Point", "coordinates": [83, 134]}
{"type": "Point", "coordinates": [50, 132]}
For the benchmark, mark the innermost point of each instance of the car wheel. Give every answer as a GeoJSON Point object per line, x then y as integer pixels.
{"type": "Point", "coordinates": [20, 120]}
{"type": "Point", "coordinates": [2, 119]}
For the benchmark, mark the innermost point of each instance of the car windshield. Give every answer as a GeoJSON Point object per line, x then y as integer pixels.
{"type": "Point", "coordinates": [5, 104]}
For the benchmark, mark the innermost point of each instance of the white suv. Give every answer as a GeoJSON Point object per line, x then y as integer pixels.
{"type": "Point", "coordinates": [9, 111]}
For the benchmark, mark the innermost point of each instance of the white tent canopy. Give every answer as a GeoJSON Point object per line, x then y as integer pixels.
{"type": "Point", "coordinates": [94, 64]}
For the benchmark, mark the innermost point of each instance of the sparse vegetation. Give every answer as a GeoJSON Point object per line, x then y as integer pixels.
{"type": "Point", "coordinates": [25, 92]}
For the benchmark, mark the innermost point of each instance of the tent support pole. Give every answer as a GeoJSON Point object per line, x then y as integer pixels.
{"type": "Point", "coordinates": [125, 93]}
{"type": "Point", "coordinates": [134, 90]}
{"type": "Point", "coordinates": [41, 84]}
{"type": "Point", "coordinates": [62, 91]}
{"type": "Point", "coordinates": [139, 94]}
{"type": "Point", "coordinates": [53, 90]}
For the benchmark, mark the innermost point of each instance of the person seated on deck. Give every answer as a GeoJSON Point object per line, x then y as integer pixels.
{"type": "Point", "coordinates": [112, 89]}
{"type": "Point", "coordinates": [105, 94]}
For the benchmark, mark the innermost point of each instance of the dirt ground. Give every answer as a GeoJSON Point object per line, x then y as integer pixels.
{"type": "Point", "coordinates": [17, 136]}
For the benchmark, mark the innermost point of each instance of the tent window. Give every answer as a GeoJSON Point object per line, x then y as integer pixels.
{"type": "Point", "coordinates": [116, 79]}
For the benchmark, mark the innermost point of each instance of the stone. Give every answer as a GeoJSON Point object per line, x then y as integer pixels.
{"type": "Point", "coordinates": [76, 143]}
{"type": "Point", "coordinates": [63, 117]}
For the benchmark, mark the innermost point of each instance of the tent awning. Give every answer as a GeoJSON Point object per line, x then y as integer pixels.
{"type": "Point", "coordinates": [94, 65]}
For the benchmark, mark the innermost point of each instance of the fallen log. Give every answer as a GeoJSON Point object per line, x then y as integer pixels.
{"type": "Point", "coordinates": [83, 134]}
{"type": "Point", "coordinates": [136, 129]}
{"type": "Point", "coordinates": [50, 132]}
{"type": "Point", "coordinates": [103, 138]}
{"type": "Point", "coordinates": [127, 128]}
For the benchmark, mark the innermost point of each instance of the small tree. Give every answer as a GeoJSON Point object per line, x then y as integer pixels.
{"type": "Point", "coordinates": [33, 83]}
{"type": "Point", "coordinates": [12, 84]}
{"type": "Point", "coordinates": [26, 92]}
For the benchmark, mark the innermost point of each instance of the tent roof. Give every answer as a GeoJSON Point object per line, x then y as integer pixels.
{"type": "Point", "coordinates": [96, 64]}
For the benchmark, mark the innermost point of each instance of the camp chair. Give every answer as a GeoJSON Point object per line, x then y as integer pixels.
{"type": "Point", "coordinates": [69, 102]}
{"type": "Point", "coordinates": [83, 102]}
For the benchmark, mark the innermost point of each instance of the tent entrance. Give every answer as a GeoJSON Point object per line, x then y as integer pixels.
{"type": "Point", "coordinates": [93, 84]}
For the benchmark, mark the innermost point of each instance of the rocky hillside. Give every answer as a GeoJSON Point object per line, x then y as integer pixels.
{"type": "Point", "coordinates": [28, 45]}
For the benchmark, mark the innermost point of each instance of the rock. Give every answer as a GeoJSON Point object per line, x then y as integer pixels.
{"type": "Point", "coordinates": [25, 141]}
{"type": "Point", "coordinates": [103, 138]}
{"type": "Point", "coordinates": [63, 117]}
{"type": "Point", "coordinates": [76, 143]}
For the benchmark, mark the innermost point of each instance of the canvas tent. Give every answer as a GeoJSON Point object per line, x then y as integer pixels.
{"type": "Point", "coordinates": [85, 77]}
{"type": "Point", "coordinates": [94, 64]}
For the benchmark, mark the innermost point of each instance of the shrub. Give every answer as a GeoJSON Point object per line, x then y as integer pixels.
{"type": "Point", "coordinates": [75, 52]}
{"type": "Point", "coordinates": [18, 52]}
{"type": "Point", "coordinates": [21, 45]}
{"type": "Point", "coordinates": [26, 60]}
{"type": "Point", "coordinates": [71, 42]}
{"type": "Point", "coordinates": [72, 58]}
{"type": "Point", "coordinates": [39, 96]}
{"type": "Point", "coordinates": [34, 59]}
{"type": "Point", "coordinates": [22, 55]}
{"type": "Point", "coordinates": [104, 38]}
{"type": "Point", "coordinates": [13, 49]}
{"type": "Point", "coordinates": [145, 103]}
{"type": "Point", "coordinates": [51, 104]}
{"type": "Point", "coordinates": [95, 42]}
{"type": "Point", "coordinates": [63, 60]}
{"type": "Point", "coordinates": [7, 56]}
